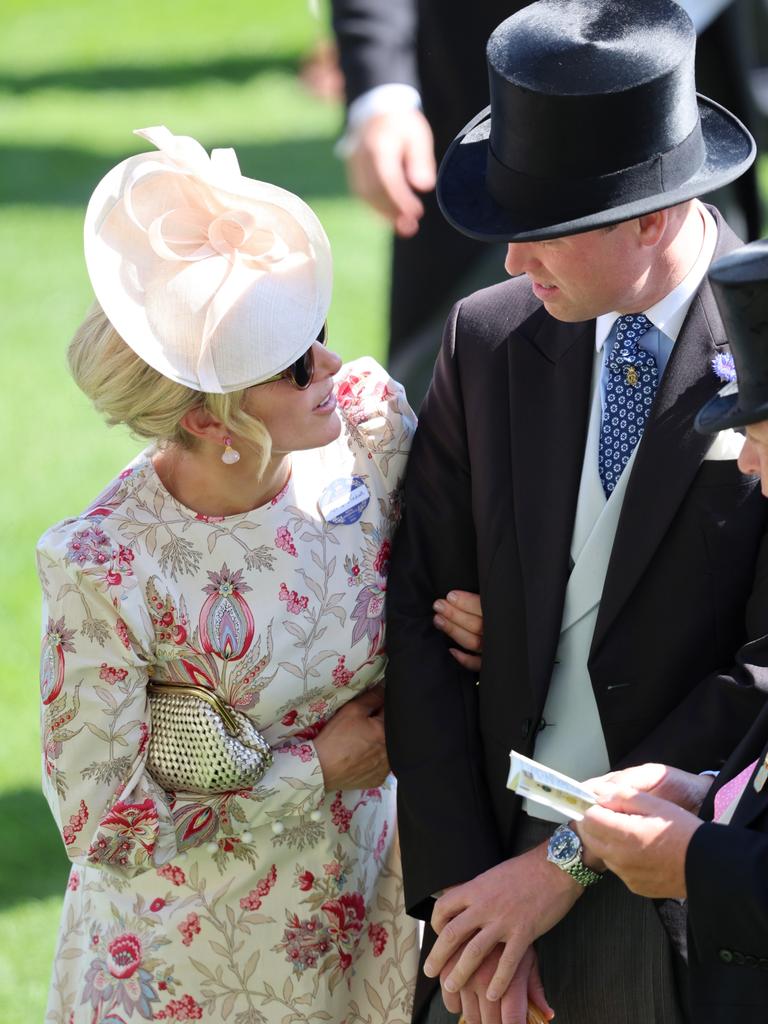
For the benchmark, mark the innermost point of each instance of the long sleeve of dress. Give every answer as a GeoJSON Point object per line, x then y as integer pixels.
{"type": "Point", "coordinates": [97, 656]}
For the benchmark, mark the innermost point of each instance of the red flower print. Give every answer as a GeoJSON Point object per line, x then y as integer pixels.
{"type": "Point", "coordinates": [143, 736]}
{"type": "Point", "coordinates": [226, 621]}
{"type": "Point", "coordinates": [114, 579]}
{"type": "Point", "coordinates": [313, 729]}
{"type": "Point", "coordinates": [341, 816]}
{"type": "Point", "coordinates": [74, 882]}
{"type": "Point", "coordinates": [112, 675]}
{"type": "Point", "coordinates": [254, 898]}
{"type": "Point", "coordinates": [306, 880]}
{"type": "Point", "coordinates": [381, 562]}
{"type": "Point", "coordinates": [378, 936]}
{"type": "Point", "coordinates": [180, 1009]}
{"type": "Point", "coordinates": [138, 822]}
{"type": "Point", "coordinates": [157, 904]}
{"type": "Point", "coordinates": [201, 517]}
{"type": "Point", "coordinates": [381, 842]}
{"type": "Point", "coordinates": [333, 870]}
{"type": "Point", "coordinates": [284, 541]}
{"type": "Point", "coordinates": [172, 874]}
{"type": "Point", "coordinates": [341, 675]}
{"type": "Point", "coordinates": [346, 916]}
{"type": "Point", "coordinates": [124, 955]}
{"type": "Point", "coordinates": [189, 928]}
{"type": "Point", "coordinates": [296, 604]}
{"type": "Point", "coordinates": [303, 751]}
{"type": "Point", "coordinates": [345, 961]}
{"type": "Point", "coordinates": [122, 631]}
{"type": "Point", "coordinates": [75, 825]}
{"type": "Point", "coordinates": [290, 717]}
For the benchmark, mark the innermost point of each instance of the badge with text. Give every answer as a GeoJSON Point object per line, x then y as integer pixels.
{"type": "Point", "coordinates": [344, 501]}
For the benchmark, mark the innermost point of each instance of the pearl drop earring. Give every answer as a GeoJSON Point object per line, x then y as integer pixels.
{"type": "Point", "coordinates": [230, 455]}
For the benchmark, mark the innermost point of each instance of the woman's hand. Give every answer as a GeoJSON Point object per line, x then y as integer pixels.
{"type": "Point", "coordinates": [460, 617]}
{"type": "Point", "coordinates": [351, 747]}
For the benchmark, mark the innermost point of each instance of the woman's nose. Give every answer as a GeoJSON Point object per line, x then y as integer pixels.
{"type": "Point", "coordinates": [326, 361]}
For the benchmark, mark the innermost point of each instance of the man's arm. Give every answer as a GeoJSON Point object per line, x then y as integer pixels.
{"type": "Point", "coordinates": [377, 43]}
{"type": "Point", "coordinates": [447, 829]}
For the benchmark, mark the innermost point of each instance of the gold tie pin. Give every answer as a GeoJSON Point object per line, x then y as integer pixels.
{"type": "Point", "coordinates": [632, 377]}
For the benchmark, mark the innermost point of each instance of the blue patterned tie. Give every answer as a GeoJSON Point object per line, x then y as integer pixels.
{"type": "Point", "coordinates": [631, 385]}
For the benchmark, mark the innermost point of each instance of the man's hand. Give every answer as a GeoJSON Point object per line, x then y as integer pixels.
{"type": "Point", "coordinates": [460, 617]}
{"type": "Point", "coordinates": [393, 159]}
{"type": "Point", "coordinates": [512, 904]}
{"type": "Point", "coordinates": [681, 788]}
{"type": "Point", "coordinates": [526, 987]}
{"type": "Point", "coordinates": [351, 747]}
{"type": "Point", "coordinates": [642, 839]}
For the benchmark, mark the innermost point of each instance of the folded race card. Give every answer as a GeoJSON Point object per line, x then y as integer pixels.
{"type": "Point", "coordinates": [546, 786]}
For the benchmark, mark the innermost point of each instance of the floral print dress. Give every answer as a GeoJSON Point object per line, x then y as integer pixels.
{"type": "Point", "coordinates": [280, 903]}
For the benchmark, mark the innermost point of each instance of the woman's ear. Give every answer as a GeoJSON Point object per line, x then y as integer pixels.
{"type": "Point", "coordinates": [199, 422]}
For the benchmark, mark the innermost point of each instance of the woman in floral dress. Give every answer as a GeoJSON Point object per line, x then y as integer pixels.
{"type": "Point", "coordinates": [283, 901]}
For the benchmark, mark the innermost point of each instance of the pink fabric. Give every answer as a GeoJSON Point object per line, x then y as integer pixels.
{"type": "Point", "coordinates": [732, 790]}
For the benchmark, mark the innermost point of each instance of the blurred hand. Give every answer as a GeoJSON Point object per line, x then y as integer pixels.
{"type": "Point", "coordinates": [460, 617]}
{"type": "Point", "coordinates": [642, 839]}
{"type": "Point", "coordinates": [393, 159]}
{"type": "Point", "coordinates": [681, 788]}
{"type": "Point", "coordinates": [351, 746]}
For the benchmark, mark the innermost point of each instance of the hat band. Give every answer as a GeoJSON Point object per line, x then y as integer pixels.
{"type": "Point", "coordinates": [566, 199]}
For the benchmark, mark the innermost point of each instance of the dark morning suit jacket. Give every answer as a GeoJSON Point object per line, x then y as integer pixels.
{"type": "Point", "coordinates": [439, 47]}
{"type": "Point", "coordinates": [727, 882]}
{"type": "Point", "coordinates": [490, 497]}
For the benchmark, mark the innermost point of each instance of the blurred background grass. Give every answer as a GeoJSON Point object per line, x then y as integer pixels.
{"type": "Point", "coordinates": [75, 79]}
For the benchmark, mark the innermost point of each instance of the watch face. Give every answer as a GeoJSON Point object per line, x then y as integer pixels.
{"type": "Point", "coordinates": [564, 846]}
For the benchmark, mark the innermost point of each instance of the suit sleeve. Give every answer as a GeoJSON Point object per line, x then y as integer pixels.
{"type": "Point", "coordinates": [377, 43]}
{"type": "Point", "coordinates": [726, 872]}
{"type": "Point", "coordinates": [448, 834]}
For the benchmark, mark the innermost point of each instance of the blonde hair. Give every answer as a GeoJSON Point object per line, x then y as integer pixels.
{"type": "Point", "coordinates": [125, 389]}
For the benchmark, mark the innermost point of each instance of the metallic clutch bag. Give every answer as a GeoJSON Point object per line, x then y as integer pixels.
{"type": "Point", "coordinates": [199, 744]}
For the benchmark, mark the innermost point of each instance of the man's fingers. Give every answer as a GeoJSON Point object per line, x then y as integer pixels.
{"type": "Point", "coordinates": [472, 957]}
{"type": "Point", "coordinates": [465, 601]}
{"type": "Point", "coordinates": [509, 961]}
{"type": "Point", "coordinates": [419, 157]}
{"type": "Point", "coordinates": [465, 627]}
{"type": "Point", "coordinates": [537, 996]}
{"type": "Point", "coordinates": [470, 1008]}
{"type": "Point", "coordinates": [463, 637]}
{"type": "Point", "coordinates": [471, 662]}
{"type": "Point", "coordinates": [451, 936]}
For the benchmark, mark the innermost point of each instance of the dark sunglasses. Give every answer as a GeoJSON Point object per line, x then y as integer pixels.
{"type": "Point", "coordinates": [302, 371]}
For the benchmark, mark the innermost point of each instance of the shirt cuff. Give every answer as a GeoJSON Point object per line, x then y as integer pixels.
{"type": "Point", "coordinates": [392, 98]}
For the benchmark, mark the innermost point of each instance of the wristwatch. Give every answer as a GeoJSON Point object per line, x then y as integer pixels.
{"type": "Point", "coordinates": [564, 850]}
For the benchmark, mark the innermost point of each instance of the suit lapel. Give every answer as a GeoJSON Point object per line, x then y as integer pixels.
{"type": "Point", "coordinates": [670, 452]}
{"type": "Point", "coordinates": [549, 389]}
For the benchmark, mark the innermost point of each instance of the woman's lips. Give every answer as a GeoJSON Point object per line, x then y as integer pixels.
{"type": "Point", "coordinates": [328, 404]}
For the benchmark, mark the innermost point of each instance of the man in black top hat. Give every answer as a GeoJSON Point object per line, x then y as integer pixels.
{"type": "Point", "coordinates": [647, 830]}
{"type": "Point", "coordinates": [557, 471]}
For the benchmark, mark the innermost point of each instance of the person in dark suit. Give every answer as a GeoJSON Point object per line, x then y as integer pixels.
{"type": "Point", "coordinates": [622, 607]}
{"type": "Point", "coordinates": [661, 830]}
{"type": "Point", "coordinates": [414, 72]}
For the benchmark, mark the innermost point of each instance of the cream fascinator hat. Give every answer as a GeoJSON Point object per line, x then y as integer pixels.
{"type": "Point", "coordinates": [216, 280]}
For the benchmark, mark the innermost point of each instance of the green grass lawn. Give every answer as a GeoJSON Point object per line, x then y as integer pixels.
{"type": "Point", "coordinates": [75, 80]}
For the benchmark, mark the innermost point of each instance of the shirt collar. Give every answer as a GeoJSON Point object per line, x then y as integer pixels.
{"type": "Point", "coordinates": [668, 314]}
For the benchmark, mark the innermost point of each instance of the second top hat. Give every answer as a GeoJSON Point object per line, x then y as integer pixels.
{"type": "Point", "coordinates": [594, 118]}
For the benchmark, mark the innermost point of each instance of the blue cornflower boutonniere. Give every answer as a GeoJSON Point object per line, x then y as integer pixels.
{"type": "Point", "coordinates": [724, 367]}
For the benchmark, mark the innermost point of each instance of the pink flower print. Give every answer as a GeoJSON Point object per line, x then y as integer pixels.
{"type": "Point", "coordinates": [76, 823]}
{"type": "Point", "coordinates": [122, 631]}
{"type": "Point", "coordinates": [74, 882]}
{"type": "Point", "coordinates": [290, 717]}
{"type": "Point", "coordinates": [114, 579]}
{"type": "Point", "coordinates": [124, 955]}
{"type": "Point", "coordinates": [57, 641]}
{"type": "Point", "coordinates": [209, 519]}
{"type": "Point", "coordinates": [125, 557]}
{"type": "Point", "coordinates": [303, 751]}
{"type": "Point", "coordinates": [280, 494]}
{"type": "Point", "coordinates": [296, 604]}
{"type": "Point", "coordinates": [333, 870]}
{"type": "Point", "coordinates": [305, 881]}
{"type": "Point", "coordinates": [134, 822]}
{"type": "Point", "coordinates": [341, 816]}
{"type": "Point", "coordinates": [378, 936]}
{"type": "Point", "coordinates": [143, 736]}
{"type": "Point", "coordinates": [254, 898]}
{"type": "Point", "coordinates": [353, 571]}
{"type": "Point", "coordinates": [89, 546]}
{"type": "Point", "coordinates": [381, 842]}
{"type": "Point", "coordinates": [318, 706]}
{"type": "Point", "coordinates": [125, 473]}
{"type": "Point", "coordinates": [341, 675]}
{"type": "Point", "coordinates": [226, 621]}
{"type": "Point", "coordinates": [173, 874]}
{"type": "Point", "coordinates": [304, 942]}
{"type": "Point", "coordinates": [157, 904]}
{"type": "Point", "coordinates": [284, 541]}
{"type": "Point", "coordinates": [183, 1009]}
{"type": "Point", "coordinates": [189, 928]}
{"type": "Point", "coordinates": [112, 675]}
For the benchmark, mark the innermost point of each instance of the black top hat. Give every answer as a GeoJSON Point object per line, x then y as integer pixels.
{"type": "Point", "coordinates": [594, 119]}
{"type": "Point", "coordinates": [740, 284]}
